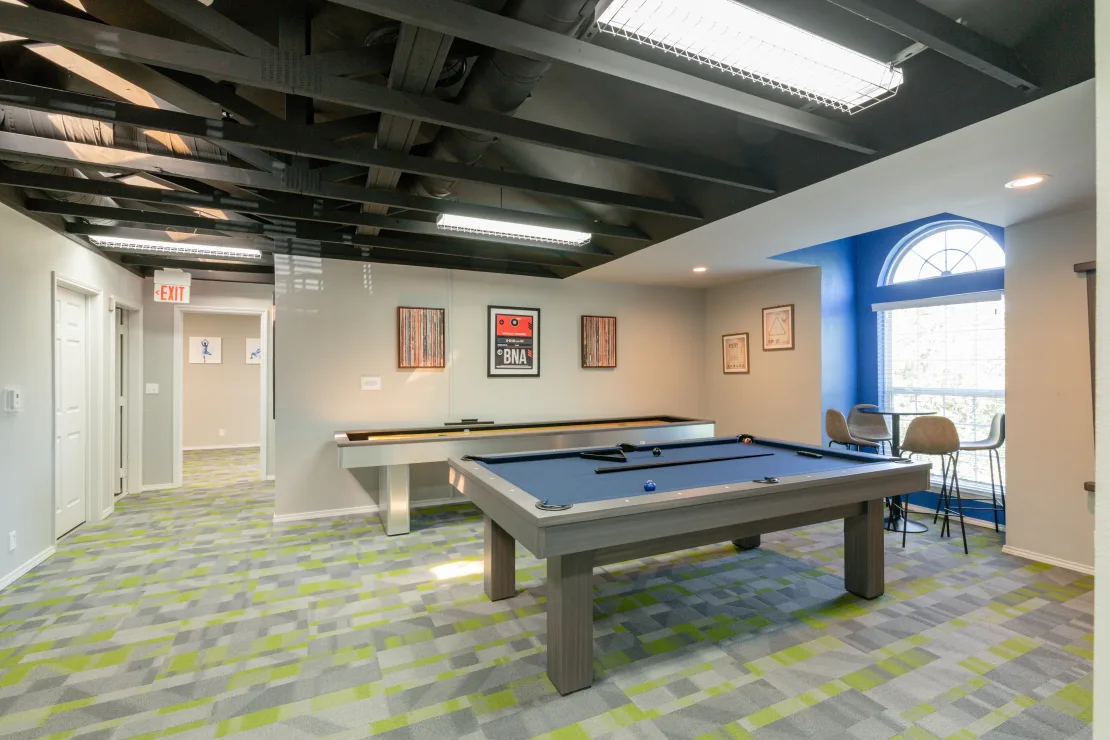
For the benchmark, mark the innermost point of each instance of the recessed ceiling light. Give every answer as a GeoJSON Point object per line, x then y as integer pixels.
{"type": "Point", "coordinates": [1027, 181]}
{"type": "Point", "coordinates": [700, 269]}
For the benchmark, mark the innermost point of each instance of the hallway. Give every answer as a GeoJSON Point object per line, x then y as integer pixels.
{"type": "Point", "coordinates": [189, 614]}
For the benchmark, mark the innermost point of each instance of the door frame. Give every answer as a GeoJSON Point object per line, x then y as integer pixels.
{"type": "Point", "coordinates": [94, 452]}
{"type": "Point", "coordinates": [263, 314]}
{"type": "Point", "coordinates": [134, 397]}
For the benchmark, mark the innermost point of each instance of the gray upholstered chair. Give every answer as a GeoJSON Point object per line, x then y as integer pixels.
{"type": "Point", "coordinates": [836, 428]}
{"type": "Point", "coordinates": [937, 435]}
{"type": "Point", "coordinates": [991, 446]}
{"type": "Point", "coordinates": [871, 427]}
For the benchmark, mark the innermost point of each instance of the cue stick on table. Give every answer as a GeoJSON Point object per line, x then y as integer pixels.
{"type": "Point", "coordinates": [673, 463]}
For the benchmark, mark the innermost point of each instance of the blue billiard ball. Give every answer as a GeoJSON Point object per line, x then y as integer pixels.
{"type": "Point", "coordinates": [649, 486]}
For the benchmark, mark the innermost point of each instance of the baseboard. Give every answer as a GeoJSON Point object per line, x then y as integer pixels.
{"type": "Point", "coordinates": [22, 570]}
{"type": "Point", "coordinates": [361, 510]}
{"type": "Point", "coordinates": [220, 447]}
{"type": "Point", "coordinates": [270, 477]}
{"type": "Point", "coordinates": [107, 512]}
{"type": "Point", "coordinates": [967, 520]}
{"type": "Point", "coordinates": [1048, 560]}
{"type": "Point", "coordinates": [159, 487]}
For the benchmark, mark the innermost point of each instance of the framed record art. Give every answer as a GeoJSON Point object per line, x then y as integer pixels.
{"type": "Point", "coordinates": [513, 342]}
{"type": "Point", "coordinates": [421, 338]}
{"type": "Point", "coordinates": [599, 341]}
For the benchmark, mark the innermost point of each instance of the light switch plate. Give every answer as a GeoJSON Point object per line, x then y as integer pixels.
{"type": "Point", "coordinates": [152, 389]}
{"type": "Point", "coordinates": [13, 400]}
{"type": "Point", "coordinates": [371, 383]}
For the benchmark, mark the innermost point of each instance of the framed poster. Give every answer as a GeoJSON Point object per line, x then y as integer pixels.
{"type": "Point", "coordinates": [254, 351]}
{"type": "Point", "coordinates": [778, 327]}
{"type": "Point", "coordinates": [205, 350]}
{"type": "Point", "coordinates": [421, 338]}
{"type": "Point", "coordinates": [599, 341]}
{"type": "Point", "coordinates": [513, 342]}
{"type": "Point", "coordinates": [734, 353]}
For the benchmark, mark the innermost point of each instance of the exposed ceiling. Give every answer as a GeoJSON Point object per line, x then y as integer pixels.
{"type": "Point", "coordinates": [963, 173]}
{"type": "Point", "coordinates": [342, 129]}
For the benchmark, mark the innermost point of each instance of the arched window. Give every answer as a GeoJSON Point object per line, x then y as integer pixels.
{"type": "Point", "coordinates": [939, 250]}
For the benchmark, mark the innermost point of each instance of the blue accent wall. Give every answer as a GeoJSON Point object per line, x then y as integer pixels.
{"type": "Point", "coordinates": [839, 376]}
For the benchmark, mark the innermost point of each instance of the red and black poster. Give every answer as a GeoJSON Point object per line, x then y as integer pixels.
{"type": "Point", "coordinates": [514, 341]}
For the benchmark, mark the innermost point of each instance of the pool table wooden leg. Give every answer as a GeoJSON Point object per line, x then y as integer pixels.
{"type": "Point", "coordinates": [570, 621]}
{"type": "Point", "coordinates": [500, 570]}
{"type": "Point", "coordinates": [864, 553]}
{"type": "Point", "coordinates": [747, 543]}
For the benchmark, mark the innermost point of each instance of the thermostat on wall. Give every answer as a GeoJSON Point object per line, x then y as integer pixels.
{"type": "Point", "coordinates": [371, 382]}
{"type": "Point", "coordinates": [13, 400]}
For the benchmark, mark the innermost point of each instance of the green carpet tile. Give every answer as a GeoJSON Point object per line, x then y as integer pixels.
{"type": "Point", "coordinates": [189, 614]}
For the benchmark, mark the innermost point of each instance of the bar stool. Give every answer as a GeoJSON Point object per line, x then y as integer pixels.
{"type": "Point", "coordinates": [871, 427]}
{"type": "Point", "coordinates": [836, 427]}
{"type": "Point", "coordinates": [991, 445]}
{"type": "Point", "coordinates": [937, 435]}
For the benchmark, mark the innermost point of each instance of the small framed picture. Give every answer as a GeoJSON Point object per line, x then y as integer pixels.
{"type": "Point", "coordinates": [254, 351]}
{"type": "Point", "coordinates": [205, 350]}
{"type": "Point", "coordinates": [599, 341]}
{"type": "Point", "coordinates": [734, 351]}
{"type": "Point", "coordinates": [513, 342]}
{"type": "Point", "coordinates": [421, 338]}
{"type": "Point", "coordinates": [778, 327]}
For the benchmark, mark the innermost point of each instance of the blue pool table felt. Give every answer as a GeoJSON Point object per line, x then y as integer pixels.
{"type": "Point", "coordinates": [562, 477]}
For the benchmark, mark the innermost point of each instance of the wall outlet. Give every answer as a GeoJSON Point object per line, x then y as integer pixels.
{"type": "Point", "coordinates": [371, 383]}
{"type": "Point", "coordinates": [152, 389]}
{"type": "Point", "coordinates": [223, 432]}
{"type": "Point", "coordinates": [11, 540]}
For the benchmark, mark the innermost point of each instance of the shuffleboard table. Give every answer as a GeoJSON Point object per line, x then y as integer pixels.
{"type": "Point", "coordinates": [587, 507]}
{"type": "Point", "coordinates": [392, 451]}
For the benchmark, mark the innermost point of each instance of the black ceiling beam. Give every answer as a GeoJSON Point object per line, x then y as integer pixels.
{"type": "Point", "coordinates": [280, 206]}
{"type": "Point", "coordinates": [284, 139]}
{"type": "Point", "coordinates": [298, 76]}
{"type": "Point", "coordinates": [189, 261]}
{"type": "Point", "coordinates": [367, 254]}
{"type": "Point", "coordinates": [344, 128]}
{"type": "Point", "coordinates": [223, 95]}
{"type": "Point", "coordinates": [924, 25]}
{"type": "Point", "coordinates": [214, 26]}
{"type": "Point", "coordinates": [518, 37]}
{"type": "Point", "coordinates": [362, 60]}
{"type": "Point", "coordinates": [291, 232]}
{"type": "Point", "coordinates": [38, 149]}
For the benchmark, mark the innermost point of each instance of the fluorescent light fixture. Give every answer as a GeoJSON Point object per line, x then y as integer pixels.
{"type": "Point", "coordinates": [1027, 181]}
{"type": "Point", "coordinates": [735, 38]}
{"type": "Point", "coordinates": [700, 269]}
{"type": "Point", "coordinates": [151, 245]}
{"type": "Point", "coordinates": [449, 222]}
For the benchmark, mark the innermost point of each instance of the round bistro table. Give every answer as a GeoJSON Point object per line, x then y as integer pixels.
{"type": "Point", "coordinates": [897, 520]}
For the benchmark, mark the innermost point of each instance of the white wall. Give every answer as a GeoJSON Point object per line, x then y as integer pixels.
{"type": "Point", "coordinates": [781, 397]}
{"type": "Point", "coordinates": [158, 421]}
{"type": "Point", "coordinates": [337, 321]}
{"type": "Point", "coordinates": [221, 397]}
{"type": "Point", "coordinates": [1102, 381]}
{"type": "Point", "coordinates": [29, 254]}
{"type": "Point", "coordinates": [1049, 433]}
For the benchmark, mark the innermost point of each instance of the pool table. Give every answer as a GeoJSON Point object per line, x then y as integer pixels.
{"type": "Point", "coordinates": [587, 507]}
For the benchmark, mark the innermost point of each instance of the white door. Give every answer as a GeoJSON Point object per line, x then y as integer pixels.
{"type": "Point", "coordinates": [71, 412]}
{"type": "Point", "coordinates": [122, 383]}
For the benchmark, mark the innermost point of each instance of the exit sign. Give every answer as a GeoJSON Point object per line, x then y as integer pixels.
{"type": "Point", "coordinates": [171, 293]}
{"type": "Point", "coordinates": [172, 286]}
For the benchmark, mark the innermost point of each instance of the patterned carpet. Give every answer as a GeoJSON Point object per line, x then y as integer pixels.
{"type": "Point", "coordinates": [190, 615]}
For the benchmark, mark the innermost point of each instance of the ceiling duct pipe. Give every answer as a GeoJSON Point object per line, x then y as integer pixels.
{"type": "Point", "coordinates": [501, 82]}
{"type": "Point", "coordinates": [98, 133]}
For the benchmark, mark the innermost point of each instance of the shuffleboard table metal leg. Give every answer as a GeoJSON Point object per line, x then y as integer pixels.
{"type": "Point", "coordinates": [864, 553]}
{"type": "Point", "coordinates": [500, 570]}
{"type": "Point", "coordinates": [570, 622]}
{"type": "Point", "coordinates": [747, 543]}
{"type": "Point", "coordinates": [393, 498]}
